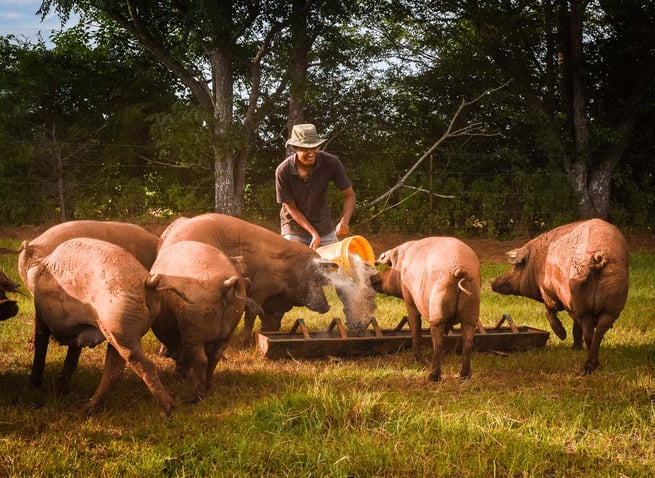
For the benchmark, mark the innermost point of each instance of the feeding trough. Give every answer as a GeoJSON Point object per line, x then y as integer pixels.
{"type": "Point", "coordinates": [300, 342]}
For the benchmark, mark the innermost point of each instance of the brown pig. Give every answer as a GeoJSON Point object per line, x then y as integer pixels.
{"type": "Point", "coordinates": [282, 273]}
{"type": "Point", "coordinates": [87, 291]}
{"type": "Point", "coordinates": [439, 279]}
{"type": "Point", "coordinates": [580, 267]}
{"type": "Point", "coordinates": [131, 237]}
{"type": "Point", "coordinates": [195, 331]}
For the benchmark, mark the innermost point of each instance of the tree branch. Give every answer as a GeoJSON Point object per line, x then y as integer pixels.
{"type": "Point", "coordinates": [135, 26]}
{"type": "Point", "coordinates": [423, 190]}
{"type": "Point", "coordinates": [473, 129]}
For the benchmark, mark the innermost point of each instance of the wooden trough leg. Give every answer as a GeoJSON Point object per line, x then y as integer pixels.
{"type": "Point", "coordinates": [339, 324]}
{"type": "Point", "coordinates": [376, 327]}
{"type": "Point", "coordinates": [303, 328]}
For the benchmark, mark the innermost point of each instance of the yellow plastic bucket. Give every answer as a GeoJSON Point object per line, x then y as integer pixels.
{"type": "Point", "coordinates": [339, 252]}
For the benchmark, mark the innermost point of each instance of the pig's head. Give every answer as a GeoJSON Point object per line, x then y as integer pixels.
{"type": "Point", "coordinates": [153, 294]}
{"type": "Point", "coordinates": [516, 281]}
{"type": "Point", "coordinates": [233, 298]}
{"type": "Point", "coordinates": [153, 297]}
{"type": "Point", "coordinates": [303, 289]}
{"type": "Point", "coordinates": [387, 279]}
{"type": "Point", "coordinates": [310, 288]}
{"type": "Point", "coordinates": [8, 307]}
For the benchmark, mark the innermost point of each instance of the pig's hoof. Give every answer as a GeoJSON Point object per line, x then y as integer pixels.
{"type": "Point", "coordinates": [435, 376]}
{"type": "Point", "coordinates": [193, 398]}
{"type": "Point", "coordinates": [62, 386]}
{"type": "Point", "coordinates": [590, 367]}
{"type": "Point", "coordinates": [245, 343]}
{"type": "Point", "coordinates": [167, 410]}
{"type": "Point", "coordinates": [90, 409]}
{"type": "Point", "coordinates": [560, 331]}
{"type": "Point", "coordinates": [419, 360]}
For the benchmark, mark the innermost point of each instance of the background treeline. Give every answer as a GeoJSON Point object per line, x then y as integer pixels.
{"type": "Point", "coordinates": [109, 121]}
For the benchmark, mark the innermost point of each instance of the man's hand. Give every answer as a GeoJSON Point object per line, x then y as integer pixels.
{"type": "Point", "coordinates": [316, 241]}
{"type": "Point", "coordinates": [342, 228]}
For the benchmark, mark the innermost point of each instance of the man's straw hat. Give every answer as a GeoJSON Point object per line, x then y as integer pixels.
{"type": "Point", "coordinates": [305, 136]}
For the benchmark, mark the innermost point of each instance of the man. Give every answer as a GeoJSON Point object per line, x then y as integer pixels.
{"type": "Point", "coordinates": [301, 185]}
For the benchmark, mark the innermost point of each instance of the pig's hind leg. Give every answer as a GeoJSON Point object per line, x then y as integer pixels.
{"type": "Point", "coordinates": [468, 315]}
{"type": "Point", "coordinates": [437, 332]}
{"type": "Point", "coordinates": [443, 314]}
{"type": "Point", "coordinates": [112, 372]}
{"type": "Point", "coordinates": [117, 356]}
{"type": "Point", "coordinates": [62, 385]}
{"type": "Point", "coordinates": [147, 371]}
{"type": "Point", "coordinates": [467, 335]}
{"type": "Point", "coordinates": [414, 321]}
{"type": "Point", "coordinates": [593, 337]}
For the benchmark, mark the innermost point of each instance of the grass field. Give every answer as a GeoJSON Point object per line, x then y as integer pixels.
{"type": "Point", "coordinates": [521, 414]}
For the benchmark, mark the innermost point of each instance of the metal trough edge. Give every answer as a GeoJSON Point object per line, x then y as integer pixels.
{"type": "Point", "coordinates": [300, 342]}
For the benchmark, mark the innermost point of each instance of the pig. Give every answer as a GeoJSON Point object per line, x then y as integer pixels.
{"type": "Point", "coordinates": [134, 239]}
{"type": "Point", "coordinates": [87, 291]}
{"type": "Point", "coordinates": [439, 279]}
{"type": "Point", "coordinates": [8, 307]}
{"type": "Point", "coordinates": [282, 273]}
{"type": "Point", "coordinates": [197, 329]}
{"type": "Point", "coordinates": [581, 267]}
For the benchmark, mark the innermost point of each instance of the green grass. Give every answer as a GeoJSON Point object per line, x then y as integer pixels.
{"type": "Point", "coordinates": [521, 414]}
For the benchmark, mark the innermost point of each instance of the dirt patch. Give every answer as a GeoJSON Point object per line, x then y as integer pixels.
{"type": "Point", "coordinates": [487, 249]}
{"type": "Point", "coordinates": [641, 243]}
{"type": "Point", "coordinates": [492, 249]}
{"type": "Point", "coordinates": [21, 232]}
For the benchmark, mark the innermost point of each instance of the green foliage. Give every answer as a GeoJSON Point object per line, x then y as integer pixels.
{"type": "Point", "coordinates": [261, 203]}
{"type": "Point", "coordinates": [182, 135]}
{"type": "Point", "coordinates": [76, 122]}
{"type": "Point", "coordinates": [98, 115]}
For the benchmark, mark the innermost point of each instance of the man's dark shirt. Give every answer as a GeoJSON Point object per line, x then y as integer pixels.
{"type": "Point", "coordinates": [310, 194]}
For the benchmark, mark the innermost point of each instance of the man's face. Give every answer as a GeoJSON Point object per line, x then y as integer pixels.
{"type": "Point", "coordinates": [306, 156]}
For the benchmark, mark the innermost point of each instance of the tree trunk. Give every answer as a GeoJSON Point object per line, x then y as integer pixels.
{"type": "Point", "coordinates": [227, 199]}
{"type": "Point", "coordinates": [298, 64]}
{"type": "Point", "coordinates": [599, 189]}
{"type": "Point", "coordinates": [587, 183]}
{"type": "Point", "coordinates": [59, 172]}
{"type": "Point", "coordinates": [578, 166]}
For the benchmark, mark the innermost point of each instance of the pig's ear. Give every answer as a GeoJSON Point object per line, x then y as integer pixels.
{"type": "Point", "coordinates": [227, 283]}
{"type": "Point", "coordinates": [153, 281]}
{"type": "Point", "coordinates": [517, 256]}
{"type": "Point", "coordinates": [324, 265]}
{"type": "Point", "coordinates": [384, 258]}
{"type": "Point", "coordinates": [237, 288]}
